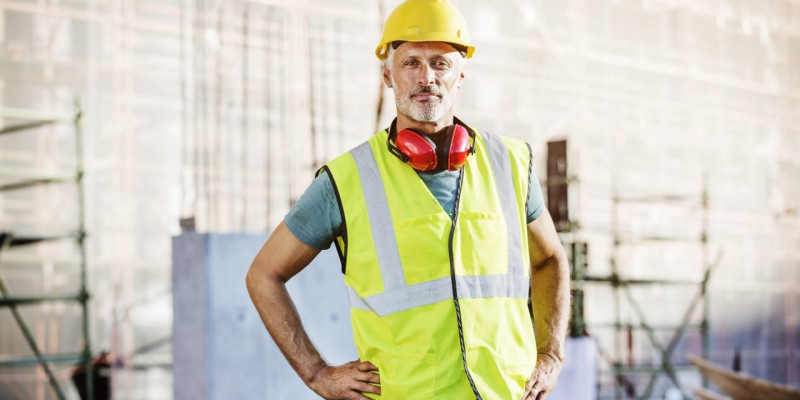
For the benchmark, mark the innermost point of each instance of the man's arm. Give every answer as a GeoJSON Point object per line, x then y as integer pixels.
{"type": "Point", "coordinates": [281, 258]}
{"type": "Point", "coordinates": [550, 293]}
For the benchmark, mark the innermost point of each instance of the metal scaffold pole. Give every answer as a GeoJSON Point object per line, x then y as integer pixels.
{"type": "Point", "coordinates": [708, 266]}
{"type": "Point", "coordinates": [84, 291]}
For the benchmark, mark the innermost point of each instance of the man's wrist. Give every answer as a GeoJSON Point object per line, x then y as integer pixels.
{"type": "Point", "coordinates": [554, 356]}
{"type": "Point", "coordinates": [313, 371]}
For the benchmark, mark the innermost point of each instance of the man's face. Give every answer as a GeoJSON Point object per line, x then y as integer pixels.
{"type": "Point", "coordinates": [425, 77]}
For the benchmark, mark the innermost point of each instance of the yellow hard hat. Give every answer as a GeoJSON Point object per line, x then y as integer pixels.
{"type": "Point", "coordinates": [425, 21]}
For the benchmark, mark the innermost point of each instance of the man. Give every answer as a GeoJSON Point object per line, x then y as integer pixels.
{"type": "Point", "coordinates": [443, 237]}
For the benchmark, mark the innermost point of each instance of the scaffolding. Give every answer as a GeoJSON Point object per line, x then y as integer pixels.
{"type": "Point", "coordinates": [18, 179]}
{"type": "Point", "coordinates": [622, 362]}
{"type": "Point", "coordinates": [623, 286]}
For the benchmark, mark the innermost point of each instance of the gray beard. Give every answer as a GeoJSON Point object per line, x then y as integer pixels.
{"type": "Point", "coordinates": [426, 112]}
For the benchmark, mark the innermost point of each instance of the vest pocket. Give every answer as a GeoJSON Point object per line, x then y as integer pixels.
{"type": "Point", "coordinates": [422, 246]}
{"type": "Point", "coordinates": [406, 376]}
{"type": "Point", "coordinates": [483, 247]}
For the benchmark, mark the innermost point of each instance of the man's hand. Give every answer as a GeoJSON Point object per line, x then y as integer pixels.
{"type": "Point", "coordinates": [346, 381]}
{"type": "Point", "coordinates": [543, 379]}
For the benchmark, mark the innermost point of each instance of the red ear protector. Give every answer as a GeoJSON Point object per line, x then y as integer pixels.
{"type": "Point", "coordinates": [421, 153]}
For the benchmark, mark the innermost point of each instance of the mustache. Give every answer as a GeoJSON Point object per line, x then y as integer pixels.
{"type": "Point", "coordinates": [429, 89]}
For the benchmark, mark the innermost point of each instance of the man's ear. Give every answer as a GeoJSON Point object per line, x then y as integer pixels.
{"type": "Point", "coordinates": [387, 78]}
{"type": "Point", "coordinates": [460, 80]}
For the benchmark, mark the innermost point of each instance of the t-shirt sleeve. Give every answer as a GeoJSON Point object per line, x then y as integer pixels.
{"type": "Point", "coordinates": [535, 205]}
{"type": "Point", "coordinates": [315, 219]}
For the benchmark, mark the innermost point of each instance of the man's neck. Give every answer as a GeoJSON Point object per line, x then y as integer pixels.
{"type": "Point", "coordinates": [426, 128]}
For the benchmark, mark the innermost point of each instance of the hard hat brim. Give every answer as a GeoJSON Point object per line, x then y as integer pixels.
{"type": "Point", "coordinates": [382, 51]}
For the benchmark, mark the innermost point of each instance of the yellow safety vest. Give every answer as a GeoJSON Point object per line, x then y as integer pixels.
{"type": "Point", "coordinates": [441, 311]}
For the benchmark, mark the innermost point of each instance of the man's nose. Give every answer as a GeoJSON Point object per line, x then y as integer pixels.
{"type": "Point", "coordinates": [427, 75]}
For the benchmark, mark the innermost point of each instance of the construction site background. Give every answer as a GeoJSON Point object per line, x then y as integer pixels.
{"type": "Point", "coordinates": [219, 113]}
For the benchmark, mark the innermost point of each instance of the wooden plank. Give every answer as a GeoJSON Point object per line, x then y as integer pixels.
{"type": "Point", "coordinates": [741, 386]}
{"type": "Point", "coordinates": [703, 394]}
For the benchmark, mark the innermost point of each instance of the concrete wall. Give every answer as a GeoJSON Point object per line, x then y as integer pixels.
{"type": "Point", "coordinates": [578, 379]}
{"type": "Point", "coordinates": [221, 349]}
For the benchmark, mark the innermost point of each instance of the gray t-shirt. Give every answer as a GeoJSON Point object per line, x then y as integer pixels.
{"type": "Point", "coordinates": [315, 219]}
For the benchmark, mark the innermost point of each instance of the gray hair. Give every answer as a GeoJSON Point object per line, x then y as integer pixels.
{"type": "Point", "coordinates": [387, 62]}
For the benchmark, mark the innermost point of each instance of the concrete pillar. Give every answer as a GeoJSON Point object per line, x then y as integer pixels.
{"type": "Point", "coordinates": [578, 379]}
{"type": "Point", "coordinates": [221, 349]}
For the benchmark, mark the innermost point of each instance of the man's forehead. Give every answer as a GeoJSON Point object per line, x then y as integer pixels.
{"type": "Point", "coordinates": [409, 49]}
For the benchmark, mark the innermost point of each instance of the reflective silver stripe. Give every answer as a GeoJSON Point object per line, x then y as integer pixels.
{"type": "Point", "coordinates": [355, 301]}
{"type": "Point", "coordinates": [432, 292]}
{"type": "Point", "coordinates": [501, 168]}
{"type": "Point", "coordinates": [485, 286]}
{"type": "Point", "coordinates": [409, 297]}
{"type": "Point", "coordinates": [380, 218]}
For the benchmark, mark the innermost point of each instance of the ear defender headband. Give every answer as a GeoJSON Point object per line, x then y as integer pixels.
{"type": "Point", "coordinates": [421, 153]}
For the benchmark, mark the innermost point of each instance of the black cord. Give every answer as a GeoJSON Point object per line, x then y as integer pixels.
{"type": "Point", "coordinates": [455, 290]}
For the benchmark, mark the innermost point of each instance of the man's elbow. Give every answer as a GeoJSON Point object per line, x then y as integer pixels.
{"type": "Point", "coordinates": [250, 280]}
{"type": "Point", "coordinates": [258, 278]}
{"type": "Point", "coordinates": [560, 264]}
{"type": "Point", "coordinates": [561, 259]}
{"type": "Point", "coordinates": [556, 261]}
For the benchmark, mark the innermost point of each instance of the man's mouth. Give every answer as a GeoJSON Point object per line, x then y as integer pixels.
{"type": "Point", "coordinates": [425, 96]}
